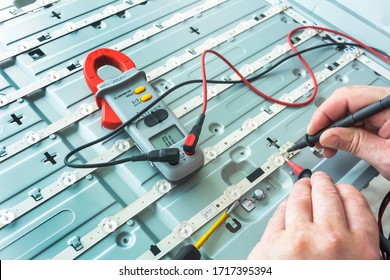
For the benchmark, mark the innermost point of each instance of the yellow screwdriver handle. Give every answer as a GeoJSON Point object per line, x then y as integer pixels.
{"type": "Point", "coordinates": [206, 236]}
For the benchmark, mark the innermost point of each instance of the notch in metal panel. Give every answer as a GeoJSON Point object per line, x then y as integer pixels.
{"type": "Point", "coordinates": [3, 152]}
{"type": "Point", "coordinates": [36, 54]}
{"type": "Point", "coordinates": [155, 250]}
{"type": "Point", "coordinates": [75, 243]}
{"type": "Point", "coordinates": [56, 15]}
{"type": "Point", "coordinates": [44, 37]}
{"type": "Point", "coordinates": [273, 143]}
{"type": "Point", "coordinates": [159, 25]}
{"type": "Point", "coordinates": [16, 11]}
{"type": "Point", "coordinates": [232, 225]}
{"type": "Point", "coordinates": [267, 110]}
{"type": "Point", "coordinates": [16, 119]}
{"type": "Point", "coordinates": [191, 51]}
{"type": "Point", "coordinates": [258, 17]}
{"type": "Point", "coordinates": [76, 64]}
{"type": "Point", "coordinates": [49, 158]}
{"type": "Point", "coordinates": [36, 194]}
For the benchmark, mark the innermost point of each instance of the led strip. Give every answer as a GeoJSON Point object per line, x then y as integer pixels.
{"type": "Point", "coordinates": [213, 42]}
{"type": "Point", "coordinates": [33, 137]}
{"type": "Point", "coordinates": [66, 180]}
{"type": "Point", "coordinates": [210, 154]}
{"type": "Point", "coordinates": [231, 194]}
{"type": "Point", "coordinates": [86, 109]}
{"type": "Point", "coordinates": [375, 66]}
{"type": "Point", "coordinates": [245, 70]}
{"type": "Point", "coordinates": [15, 12]}
{"type": "Point", "coordinates": [54, 76]}
{"type": "Point", "coordinates": [67, 28]}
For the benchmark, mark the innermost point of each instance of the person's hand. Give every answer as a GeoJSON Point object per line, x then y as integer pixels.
{"type": "Point", "coordinates": [320, 221]}
{"type": "Point", "coordinates": [369, 140]}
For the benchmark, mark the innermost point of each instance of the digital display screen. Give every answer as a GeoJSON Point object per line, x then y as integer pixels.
{"type": "Point", "coordinates": [166, 138]}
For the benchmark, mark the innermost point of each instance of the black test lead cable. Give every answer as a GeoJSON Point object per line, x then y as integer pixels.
{"type": "Point", "coordinates": [350, 120]}
{"type": "Point", "coordinates": [165, 94]}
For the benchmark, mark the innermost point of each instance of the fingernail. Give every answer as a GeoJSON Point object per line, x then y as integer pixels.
{"type": "Point", "coordinates": [332, 141]}
{"type": "Point", "coordinates": [319, 173]}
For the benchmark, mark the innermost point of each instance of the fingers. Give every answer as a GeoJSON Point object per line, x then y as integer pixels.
{"type": "Point", "coordinates": [299, 204]}
{"type": "Point", "coordinates": [357, 211]}
{"type": "Point", "coordinates": [366, 145]}
{"type": "Point", "coordinates": [344, 101]}
{"type": "Point", "coordinates": [327, 206]}
{"type": "Point", "coordinates": [277, 222]}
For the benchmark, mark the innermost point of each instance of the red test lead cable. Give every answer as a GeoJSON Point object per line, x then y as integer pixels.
{"type": "Point", "coordinates": [193, 137]}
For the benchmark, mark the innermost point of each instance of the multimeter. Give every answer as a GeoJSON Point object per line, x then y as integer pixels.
{"type": "Point", "coordinates": [124, 97]}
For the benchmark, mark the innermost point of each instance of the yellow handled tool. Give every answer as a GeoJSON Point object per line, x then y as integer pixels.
{"type": "Point", "coordinates": [191, 252]}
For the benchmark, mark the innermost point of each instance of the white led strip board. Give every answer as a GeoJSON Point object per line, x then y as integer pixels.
{"type": "Point", "coordinates": [67, 28]}
{"type": "Point", "coordinates": [213, 42]}
{"type": "Point", "coordinates": [32, 137]}
{"type": "Point", "coordinates": [66, 180]}
{"type": "Point", "coordinates": [210, 154]}
{"type": "Point", "coordinates": [172, 63]}
{"type": "Point", "coordinates": [54, 76]}
{"type": "Point", "coordinates": [375, 66]}
{"type": "Point", "coordinates": [15, 12]}
{"type": "Point", "coordinates": [231, 194]}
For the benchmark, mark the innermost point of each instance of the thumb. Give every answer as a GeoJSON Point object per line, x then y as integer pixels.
{"type": "Point", "coordinates": [361, 142]}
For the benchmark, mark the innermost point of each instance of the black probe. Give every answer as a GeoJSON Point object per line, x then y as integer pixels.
{"type": "Point", "coordinates": [350, 120]}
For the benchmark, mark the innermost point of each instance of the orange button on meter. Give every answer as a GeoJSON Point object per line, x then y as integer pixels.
{"type": "Point", "coordinates": [139, 89]}
{"type": "Point", "coordinates": [146, 97]}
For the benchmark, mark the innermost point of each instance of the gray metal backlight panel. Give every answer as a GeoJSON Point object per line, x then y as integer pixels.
{"type": "Point", "coordinates": [57, 223]}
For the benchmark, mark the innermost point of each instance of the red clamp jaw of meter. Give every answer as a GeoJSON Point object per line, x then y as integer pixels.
{"type": "Point", "coordinates": [93, 62]}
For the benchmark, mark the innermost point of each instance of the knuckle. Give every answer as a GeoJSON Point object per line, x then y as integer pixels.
{"type": "Point", "coordinates": [355, 198]}
{"type": "Point", "coordinates": [299, 243]}
{"type": "Point", "coordinates": [334, 241]}
{"type": "Point", "coordinates": [356, 142]}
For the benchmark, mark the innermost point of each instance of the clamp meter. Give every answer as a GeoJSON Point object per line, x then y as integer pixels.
{"type": "Point", "coordinates": [124, 97]}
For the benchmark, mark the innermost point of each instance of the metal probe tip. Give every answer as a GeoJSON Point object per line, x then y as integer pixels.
{"type": "Point", "coordinates": [234, 205]}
